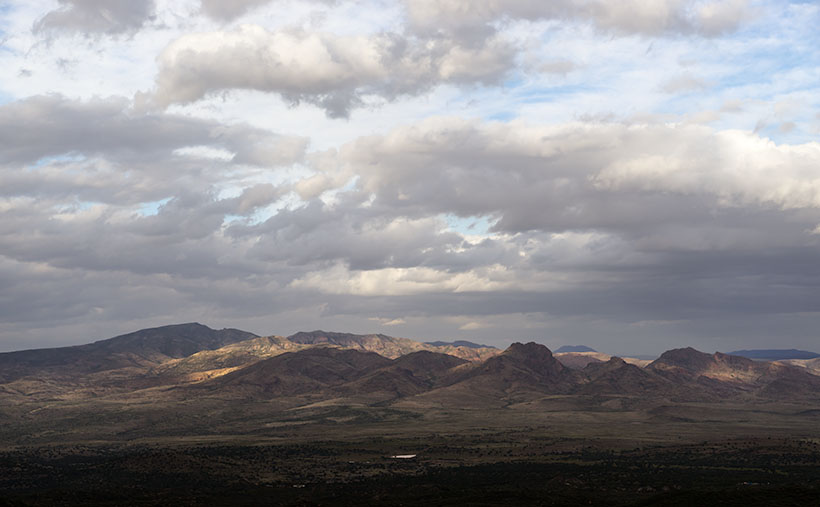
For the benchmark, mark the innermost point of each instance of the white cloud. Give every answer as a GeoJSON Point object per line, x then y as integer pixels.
{"type": "Point", "coordinates": [333, 72]}
{"type": "Point", "coordinates": [402, 281]}
{"type": "Point", "coordinates": [739, 168]}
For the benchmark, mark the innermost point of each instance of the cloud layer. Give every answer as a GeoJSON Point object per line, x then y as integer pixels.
{"type": "Point", "coordinates": [568, 171]}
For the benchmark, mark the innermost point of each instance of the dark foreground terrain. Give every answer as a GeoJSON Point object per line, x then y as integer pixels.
{"type": "Point", "coordinates": [519, 468]}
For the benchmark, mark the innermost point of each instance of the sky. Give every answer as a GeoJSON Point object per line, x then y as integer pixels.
{"type": "Point", "coordinates": [635, 176]}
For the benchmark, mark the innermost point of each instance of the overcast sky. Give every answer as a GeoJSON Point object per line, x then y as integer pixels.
{"type": "Point", "coordinates": [634, 176]}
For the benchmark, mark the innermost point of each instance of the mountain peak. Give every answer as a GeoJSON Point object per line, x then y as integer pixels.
{"type": "Point", "coordinates": [533, 356]}
{"type": "Point", "coordinates": [686, 358]}
{"type": "Point", "coordinates": [529, 350]}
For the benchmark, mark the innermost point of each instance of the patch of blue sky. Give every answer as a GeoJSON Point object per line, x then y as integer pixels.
{"type": "Point", "coordinates": [5, 8]}
{"type": "Point", "coordinates": [85, 205]}
{"type": "Point", "coordinates": [766, 74]}
{"type": "Point", "coordinates": [469, 226]}
{"type": "Point", "coordinates": [5, 98]}
{"type": "Point", "coordinates": [229, 192]}
{"type": "Point", "coordinates": [503, 116]}
{"type": "Point", "coordinates": [232, 219]}
{"type": "Point", "coordinates": [76, 207]}
{"type": "Point", "coordinates": [511, 104]}
{"type": "Point", "coordinates": [549, 94]}
{"type": "Point", "coordinates": [66, 158]}
{"type": "Point", "coordinates": [513, 82]}
{"type": "Point", "coordinates": [262, 214]}
{"type": "Point", "coordinates": [148, 209]}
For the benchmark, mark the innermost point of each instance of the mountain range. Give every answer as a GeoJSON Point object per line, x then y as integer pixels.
{"type": "Point", "coordinates": [186, 361]}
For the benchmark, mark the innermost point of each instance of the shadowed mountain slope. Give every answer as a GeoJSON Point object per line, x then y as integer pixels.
{"type": "Point", "coordinates": [294, 373]}
{"type": "Point", "coordinates": [523, 370]}
{"type": "Point", "coordinates": [724, 372]}
{"type": "Point", "coordinates": [141, 349]}
{"type": "Point", "coordinates": [616, 376]}
{"type": "Point", "coordinates": [579, 360]}
{"type": "Point", "coordinates": [407, 375]}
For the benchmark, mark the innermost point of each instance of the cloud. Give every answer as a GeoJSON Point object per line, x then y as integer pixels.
{"type": "Point", "coordinates": [53, 125]}
{"type": "Point", "coordinates": [562, 67]}
{"type": "Point", "coordinates": [222, 10]}
{"type": "Point", "coordinates": [402, 281]}
{"type": "Point", "coordinates": [578, 175]}
{"type": "Point", "coordinates": [594, 221]}
{"type": "Point", "coordinates": [467, 20]}
{"type": "Point", "coordinates": [226, 11]}
{"type": "Point", "coordinates": [333, 72]}
{"type": "Point", "coordinates": [448, 42]}
{"type": "Point", "coordinates": [609, 206]}
{"type": "Point", "coordinates": [683, 84]}
{"type": "Point", "coordinates": [97, 16]}
{"type": "Point", "coordinates": [76, 177]}
{"type": "Point", "coordinates": [472, 326]}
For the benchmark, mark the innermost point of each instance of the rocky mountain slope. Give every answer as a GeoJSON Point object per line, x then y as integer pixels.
{"type": "Point", "coordinates": [192, 361]}
{"type": "Point", "coordinates": [391, 347]}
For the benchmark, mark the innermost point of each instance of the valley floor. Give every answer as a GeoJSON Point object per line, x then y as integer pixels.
{"type": "Point", "coordinates": [554, 451]}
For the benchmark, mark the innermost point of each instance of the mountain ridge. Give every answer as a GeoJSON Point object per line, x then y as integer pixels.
{"type": "Point", "coordinates": [194, 359]}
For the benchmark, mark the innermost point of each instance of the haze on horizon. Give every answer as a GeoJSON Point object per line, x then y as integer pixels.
{"type": "Point", "coordinates": [634, 176]}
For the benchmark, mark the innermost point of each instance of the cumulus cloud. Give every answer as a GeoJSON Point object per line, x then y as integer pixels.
{"type": "Point", "coordinates": [333, 72]}
{"type": "Point", "coordinates": [97, 16]}
{"type": "Point", "coordinates": [449, 41]}
{"type": "Point", "coordinates": [564, 177]}
{"type": "Point", "coordinates": [91, 186]}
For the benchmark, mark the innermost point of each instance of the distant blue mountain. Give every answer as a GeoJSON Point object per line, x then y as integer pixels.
{"type": "Point", "coordinates": [460, 343]}
{"type": "Point", "coordinates": [775, 354]}
{"type": "Point", "coordinates": [574, 348]}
